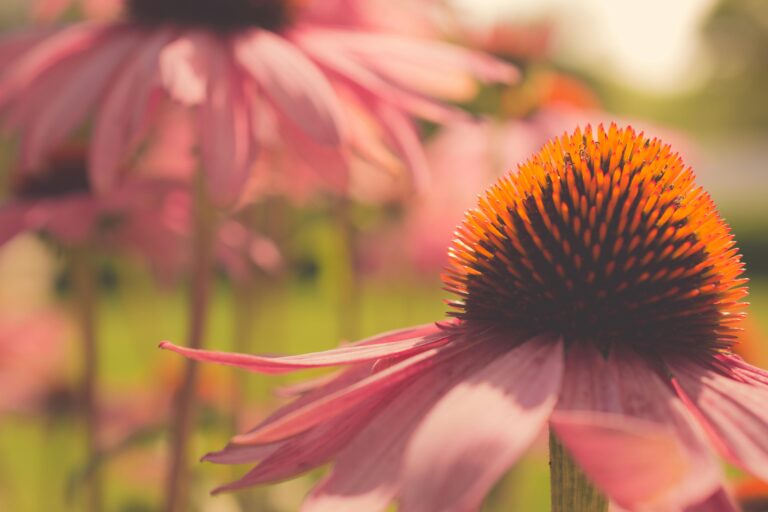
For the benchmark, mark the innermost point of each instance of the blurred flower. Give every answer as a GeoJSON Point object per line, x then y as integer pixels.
{"type": "Point", "coordinates": [32, 346]}
{"type": "Point", "coordinates": [269, 78]}
{"type": "Point", "coordinates": [57, 199]}
{"type": "Point", "coordinates": [599, 291]}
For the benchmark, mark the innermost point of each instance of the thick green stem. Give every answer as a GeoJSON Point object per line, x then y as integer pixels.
{"type": "Point", "coordinates": [85, 286]}
{"type": "Point", "coordinates": [177, 480]}
{"type": "Point", "coordinates": [570, 489]}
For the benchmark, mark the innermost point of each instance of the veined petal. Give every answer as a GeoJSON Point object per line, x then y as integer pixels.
{"type": "Point", "coordinates": [49, 52]}
{"type": "Point", "coordinates": [368, 472]}
{"type": "Point", "coordinates": [228, 147]}
{"type": "Point", "coordinates": [735, 413]}
{"type": "Point", "coordinates": [480, 427]}
{"type": "Point", "coordinates": [125, 110]}
{"type": "Point", "coordinates": [323, 50]}
{"type": "Point", "coordinates": [293, 83]}
{"type": "Point", "coordinates": [331, 405]}
{"type": "Point", "coordinates": [340, 356]}
{"type": "Point", "coordinates": [428, 67]}
{"type": "Point", "coordinates": [73, 87]}
{"type": "Point", "coordinates": [619, 420]}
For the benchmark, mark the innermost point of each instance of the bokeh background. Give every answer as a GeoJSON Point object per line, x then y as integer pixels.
{"type": "Point", "coordinates": [310, 272]}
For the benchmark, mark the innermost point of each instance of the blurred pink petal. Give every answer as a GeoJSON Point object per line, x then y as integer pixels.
{"type": "Point", "coordinates": [733, 412]}
{"type": "Point", "coordinates": [293, 83]}
{"type": "Point", "coordinates": [254, 87]}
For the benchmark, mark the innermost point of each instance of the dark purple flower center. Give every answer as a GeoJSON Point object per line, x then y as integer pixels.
{"type": "Point", "coordinates": [65, 173]}
{"type": "Point", "coordinates": [220, 15]}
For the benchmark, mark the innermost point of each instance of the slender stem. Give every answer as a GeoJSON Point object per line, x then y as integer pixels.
{"type": "Point", "coordinates": [242, 332]}
{"type": "Point", "coordinates": [177, 481]}
{"type": "Point", "coordinates": [570, 489]}
{"type": "Point", "coordinates": [85, 285]}
{"type": "Point", "coordinates": [350, 289]}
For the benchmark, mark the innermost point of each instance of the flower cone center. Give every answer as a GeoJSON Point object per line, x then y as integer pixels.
{"type": "Point", "coordinates": [602, 236]}
{"type": "Point", "coordinates": [223, 15]}
{"type": "Point", "coordinates": [65, 173]}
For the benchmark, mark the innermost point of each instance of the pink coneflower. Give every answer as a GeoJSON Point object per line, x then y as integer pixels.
{"type": "Point", "coordinates": [598, 292]}
{"type": "Point", "coordinates": [56, 199]}
{"type": "Point", "coordinates": [262, 77]}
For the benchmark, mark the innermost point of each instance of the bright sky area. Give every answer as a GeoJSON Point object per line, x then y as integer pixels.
{"type": "Point", "coordinates": [652, 44]}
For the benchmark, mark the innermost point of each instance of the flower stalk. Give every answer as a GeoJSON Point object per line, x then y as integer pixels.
{"type": "Point", "coordinates": [570, 489]}
{"type": "Point", "coordinates": [85, 286]}
{"type": "Point", "coordinates": [184, 413]}
{"type": "Point", "coordinates": [350, 287]}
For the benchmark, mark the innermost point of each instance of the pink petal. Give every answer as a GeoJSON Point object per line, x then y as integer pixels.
{"type": "Point", "coordinates": [12, 221]}
{"type": "Point", "coordinates": [406, 138]}
{"type": "Point", "coordinates": [367, 473]}
{"type": "Point", "coordinates": [313, 448]}
{"type": "Point", "coordinates": [228, 148]}
{"type": "Point", "coordinates": [341, 380]}
{"type": "Point", "coordinates": [125, 111]}
{"type": "Point", "coordinates": [72, 88]}
{"type": "Point", "coordinates": [480, 427]}
{"type": "Point", "coordinates": [720, 501]}
{"type": "Point", "coordinates": [330, 406]}
{"type": "Point", "coordinates": [322, 47]}
{"type": "Point", "coordinates": [734, 413]}
{"type": "Point", "coordinates": [47, 53]}
{"type": "Point", "coordinates": [183, 70]}
{"type": "Point", "coordinates": [631, 435]}
{"type": "Point", "coordinates": [425, 66]}
{"type": "Point", "coordinates": [293, 83]}
{"type": "Point", "coordinates": [340, 356]}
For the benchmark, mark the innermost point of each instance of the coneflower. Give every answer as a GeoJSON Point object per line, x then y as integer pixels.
{"type": "Point", "coordinates": [598, 291]}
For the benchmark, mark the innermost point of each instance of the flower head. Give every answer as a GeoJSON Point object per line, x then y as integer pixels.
{"type": "Point", "coordinates": [264, 79]}
{"type": "Point", "coordinates": [598, 292]}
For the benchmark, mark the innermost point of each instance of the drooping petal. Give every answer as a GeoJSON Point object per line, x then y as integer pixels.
{"type": "Point", "coordinates": [480, 427]}
{"type": "Point", "coordinates": [406, 139]}
{"type": "Point", "coordinates": [367, 473]}
{"type": "Point", "coordinates": [72, 89]}
{"type": "Point", "coordinates": [253, 452]}
{"type": "Point", "coordinates": [183, 70]}
{"type": "Point", "coordinates": [331, 405]}
{"type": "Point", "coordinates": [323, 49]}
{"type": "Point", "coordinates": [341, 356]}
{"type": "Point", "coordinates": [125, 110]}
{"type": "Point", "coordinates": [425, 66]}
{"type": "Point", "coordinates": [632, 436]}
{"type": "Point", "coordinates": [734, 413]}
{"type": "Point", "coordinates": [228, 147]}
{"type": "Point", "coordinates": [48, 52]}
{"type": "Point", "coordinates": [293, 83]}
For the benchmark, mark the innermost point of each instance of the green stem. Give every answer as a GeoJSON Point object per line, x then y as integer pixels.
{"type": "Point", "coordinates": [85, 285]}
{"type": "Point", "coordinates": [570, 489]}
{"type": "Point", "coordinates": [350, 289]}
{"type": "Point", "coordinates": [177, 480]}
